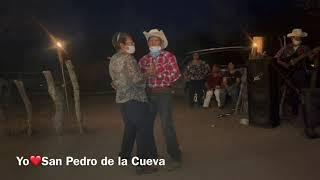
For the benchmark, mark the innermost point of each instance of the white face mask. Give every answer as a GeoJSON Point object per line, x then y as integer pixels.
{"type": "Point", "coordinates": [131, 49]}
{"type": "Point", "coordinates": [295, 42]}
{"type": "Point", "coordinates": [155, 49]}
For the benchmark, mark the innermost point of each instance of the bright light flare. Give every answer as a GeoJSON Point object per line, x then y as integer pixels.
{"type": "Point", "coordinates": [254, 45]}
{"type": "Point", "coordinates": [59, 44]}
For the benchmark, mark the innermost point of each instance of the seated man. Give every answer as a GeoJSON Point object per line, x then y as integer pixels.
{"type": "Point", "coordinates": [231, 82]}
{"type": "Point", "coordinates": [214, 86]}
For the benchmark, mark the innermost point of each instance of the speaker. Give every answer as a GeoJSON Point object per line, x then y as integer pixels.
{"type": "Point", "coordinates": [311, 111]}
{"type": "Point", "coordinates": [263, 93]}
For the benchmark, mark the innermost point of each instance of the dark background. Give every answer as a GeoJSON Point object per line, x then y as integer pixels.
{"type": "Point", "coordinates": [87, 27]}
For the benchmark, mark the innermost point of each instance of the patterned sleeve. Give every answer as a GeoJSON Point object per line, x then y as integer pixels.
{"type": "Point", "coordinates": [134, 74]}
{"type": "Point", "coordinates": [115, 83]}
{"type": "Point", "coordinates": [142, 64]}
{"type": "Point", "coordinates": [173, 69]}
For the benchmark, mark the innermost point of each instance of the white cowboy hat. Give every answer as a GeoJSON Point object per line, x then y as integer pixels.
{"type": "Point", "coordinates": [159, 34]}
{"type": "Point", "coordinates": [297, 33]}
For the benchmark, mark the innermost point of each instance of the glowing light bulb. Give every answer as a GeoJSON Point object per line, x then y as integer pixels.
{"type": "Point", "coordinates": [59, 45]}
{"type": "Point", "coordinates": [254, 45]}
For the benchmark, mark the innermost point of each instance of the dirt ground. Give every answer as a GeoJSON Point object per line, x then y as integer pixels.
{"type": "Point", "coordinates": [212, 148]}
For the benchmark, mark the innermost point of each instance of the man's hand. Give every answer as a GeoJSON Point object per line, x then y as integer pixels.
{"type": "Point", "coordinates": [238, 81]}
{"type": "Point", "coordinates": [113, 86]}
{"type": "Point", "coordinates": [313, 56]}
{"type": "Point", "coordinates": [283, 64]}
{"type": "Point", "coordinates": [225, 82]}
{"type": "Point", "coordinates": [206, 85]}
{"type": "Point", "coordinates": [149, 73]}
{"type": "Point", "coordinates": [151, 70]}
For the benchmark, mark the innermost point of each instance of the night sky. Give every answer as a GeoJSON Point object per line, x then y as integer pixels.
{"type": "Point", "coordinates": [88, 26]}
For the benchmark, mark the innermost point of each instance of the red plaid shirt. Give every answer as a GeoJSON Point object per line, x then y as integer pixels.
{"type": "Point", "coordinates": [167, 70]}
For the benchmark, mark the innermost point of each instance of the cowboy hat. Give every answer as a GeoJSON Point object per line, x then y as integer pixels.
{"type": "Point", "coordinates": [159, 34]}
{"type": "Point", "coordinates": [297, 33]}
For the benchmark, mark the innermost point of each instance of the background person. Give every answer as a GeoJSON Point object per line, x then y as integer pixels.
{"type": "Point", "coordinates": [299, 77]}
{"type": "Point", "coordinates": [196, 73]}
{"type": "Point", "coordinates": [231, 82]}
{"type": "Point", "coordinates": [214, 86]}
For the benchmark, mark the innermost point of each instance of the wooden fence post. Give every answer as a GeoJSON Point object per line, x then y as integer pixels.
{"type": "Point", "coordinates": [58, 100]}
{"type": "Point", "coordinates": [76, 93]}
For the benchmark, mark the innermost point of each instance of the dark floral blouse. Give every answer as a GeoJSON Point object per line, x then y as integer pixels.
{"type": "Point", "coordinates": [197, 71]}
{"type": "Point", "coordinates": [127, 78]}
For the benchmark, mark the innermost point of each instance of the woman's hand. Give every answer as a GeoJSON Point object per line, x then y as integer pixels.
{"type": "Point", "coordinates": [113, 86]}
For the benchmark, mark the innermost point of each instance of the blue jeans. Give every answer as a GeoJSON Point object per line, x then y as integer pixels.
{"type": "Point", "coordinates": [138, 127]}
{"type": "Point", "coordinates": [162, 103]}
{"type": "Point", "coordinates": [233, 92]}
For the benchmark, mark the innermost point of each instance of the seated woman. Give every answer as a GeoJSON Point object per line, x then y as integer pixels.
{"type": "Point", "coordinates": [214, 86]}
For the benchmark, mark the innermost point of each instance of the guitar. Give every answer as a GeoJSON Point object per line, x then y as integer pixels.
{"type": "Point", "coordinates": [292, 65]}
{"type": "Point", "coordinates": [310, 54]}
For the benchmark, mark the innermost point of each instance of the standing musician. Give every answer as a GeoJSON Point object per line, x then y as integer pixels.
{"type": "Point", "coordinates": [298, 75]}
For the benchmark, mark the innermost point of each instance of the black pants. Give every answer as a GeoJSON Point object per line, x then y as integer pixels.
{"type": "Point", "coordinates": [299, 80]}
{"type": "Point", "coordinates": [196, 87]}
{"type": "Point", "coordinates": [138, 127]}
{"type": "Point", "coordinates": [162, 103]}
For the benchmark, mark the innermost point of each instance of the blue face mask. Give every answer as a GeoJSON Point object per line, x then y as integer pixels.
{"type": "Point", "coordinates": [155, 51]}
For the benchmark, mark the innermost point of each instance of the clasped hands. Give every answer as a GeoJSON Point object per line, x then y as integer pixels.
{"type": "Point", "coordinates": [150, 70]}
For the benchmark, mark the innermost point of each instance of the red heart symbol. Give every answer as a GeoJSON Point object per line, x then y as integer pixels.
{"type": "Point", "coordinates": [35, 160]}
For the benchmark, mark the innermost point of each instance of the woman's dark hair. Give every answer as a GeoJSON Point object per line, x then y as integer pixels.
{"type": "Point", "coordinates": [118, 38]}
